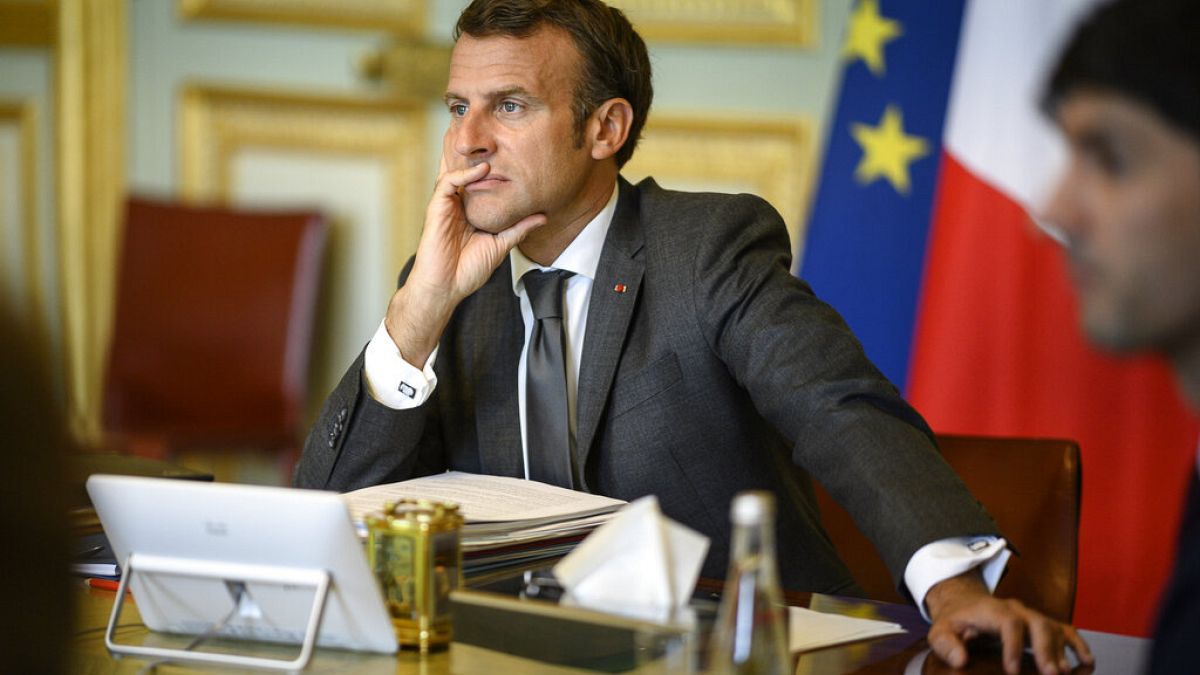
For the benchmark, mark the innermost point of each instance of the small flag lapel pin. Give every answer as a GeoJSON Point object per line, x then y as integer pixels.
{"type": "Point", "coordinates": [619, 288]}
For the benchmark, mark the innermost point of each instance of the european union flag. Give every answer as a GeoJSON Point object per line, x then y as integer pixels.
{"type": "Point", "coordinates": [866, 240]}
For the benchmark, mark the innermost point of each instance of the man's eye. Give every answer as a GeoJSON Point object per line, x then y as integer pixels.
{"type": "Point", "coordinates": [458, 109]}
{"type": "Point", "coordinates": [1109, 160]}
{"type": "Point", "coordinates": [510, 106]}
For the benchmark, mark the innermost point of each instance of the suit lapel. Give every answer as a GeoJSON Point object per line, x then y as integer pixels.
{"type": "Point", "coordinates": [614, 296]}
{"type": "Point", "coordinates": [497, 350]}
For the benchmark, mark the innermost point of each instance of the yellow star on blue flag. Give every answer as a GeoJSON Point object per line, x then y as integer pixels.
{"type": "Point", "coordinates": [867, 34]}
{"type": "Point", "coordinates": [887, 150]}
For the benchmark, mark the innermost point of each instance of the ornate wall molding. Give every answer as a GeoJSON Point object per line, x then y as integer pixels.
{"type": "Point", "coordinates": [781, 22]}
{"type": "Point", "coordinates": [400, 17]}
{"type": "Point", "coordinates": [416, 67]}
{"type": "Point", "coordinates": [218, 122]}
{"type": "Point", "coordinates": [26, 24]}
{"type": "Point", "coordinates": [772, 158]}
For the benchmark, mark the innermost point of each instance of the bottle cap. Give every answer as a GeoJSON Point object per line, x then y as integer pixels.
{"type": "Point", "coordinates": [752, 507]}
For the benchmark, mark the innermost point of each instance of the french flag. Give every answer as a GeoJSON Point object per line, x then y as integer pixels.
{"type": "Point", "coordinates": [923, 236]}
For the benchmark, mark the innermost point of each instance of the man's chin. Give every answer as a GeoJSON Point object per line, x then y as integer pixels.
{"type": "Point", "coordinates": [1108, 334]}
{"type": "Point", "coordinates": [488, 220]}
{"type": "Point", "coordinates": [489, 226]}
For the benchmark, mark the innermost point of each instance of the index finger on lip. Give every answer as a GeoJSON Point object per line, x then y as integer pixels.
{"type": "Point", "coordinates": [468, 175]}
{"type": "Point", "coordinates": [451, 181]}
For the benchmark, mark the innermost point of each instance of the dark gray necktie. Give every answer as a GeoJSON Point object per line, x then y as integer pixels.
{"type": "Point", "coordinates": [547, 433]}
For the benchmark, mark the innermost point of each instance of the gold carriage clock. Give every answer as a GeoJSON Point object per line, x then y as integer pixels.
{"type": "Point", "coordinates": [413, 547]}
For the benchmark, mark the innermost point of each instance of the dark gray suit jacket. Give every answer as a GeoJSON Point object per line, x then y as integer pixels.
{"type": "Point", "coordinates": [715, 371]}
{"type": "Point", "coordinates": [1174, 649]}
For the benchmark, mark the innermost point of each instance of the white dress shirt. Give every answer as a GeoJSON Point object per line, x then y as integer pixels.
{"type": "Point", "coordinates": [397, 384]}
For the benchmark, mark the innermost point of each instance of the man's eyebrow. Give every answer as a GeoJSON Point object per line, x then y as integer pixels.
{"type": "Point", "coordinates": [515, 90]}
{"type": "Point", "coordinates": [504, 92]}
{"type": "Point", "coordinates": [1103, 134]}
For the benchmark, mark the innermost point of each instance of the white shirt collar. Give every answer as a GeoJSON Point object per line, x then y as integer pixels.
{"type": "Point", "coordinates": [582, 255]}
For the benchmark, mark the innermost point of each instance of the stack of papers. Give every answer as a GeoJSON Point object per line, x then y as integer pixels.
{"type": "Point", "coordinates": [506, 521]}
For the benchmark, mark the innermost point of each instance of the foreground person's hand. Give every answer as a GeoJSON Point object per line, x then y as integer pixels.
{"type": "Point", "coordinates": [962, 608]}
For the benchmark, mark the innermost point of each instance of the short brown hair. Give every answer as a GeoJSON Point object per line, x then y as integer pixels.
{"type": "Point", "coordinates": [1139, 49]}
{"type": "Point", "coordinates": [614, 57]}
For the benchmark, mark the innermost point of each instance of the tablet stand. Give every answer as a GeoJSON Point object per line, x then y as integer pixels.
{"type": "Point", "coordinates": [235, 573]}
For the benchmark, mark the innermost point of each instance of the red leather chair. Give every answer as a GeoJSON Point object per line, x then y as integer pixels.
{"type": "Point", "coordinates": [213, 328]}
{"type": "Point", "coordinates": [1030, 486]}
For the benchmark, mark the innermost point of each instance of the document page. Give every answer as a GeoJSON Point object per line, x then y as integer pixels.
{"type": "Point", "coordinates": [809, 630]}
{"type": "Point", "coordinates": [486, 499]}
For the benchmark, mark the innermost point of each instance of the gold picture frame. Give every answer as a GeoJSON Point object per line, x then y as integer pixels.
{"type": "Point", "coordinates": [791, 23]}
{"type": "Point", "coordinates": [770, 157]}
{"type": "Point", "coordinates": [398, 17]}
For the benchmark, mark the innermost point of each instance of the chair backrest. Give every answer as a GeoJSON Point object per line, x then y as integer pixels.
{"type": "Point", "coordinates": [1030, 486]}
{"type": "Point", "coordinates": [213, 326]}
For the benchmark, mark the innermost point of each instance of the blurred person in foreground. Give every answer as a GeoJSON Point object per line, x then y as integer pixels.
{"type": "Point", "coordinates": [690, 363]}
{"type": "Point", "coordinates": [1126, 95]}
{"type": "Point", "coordinates": [35, 613]}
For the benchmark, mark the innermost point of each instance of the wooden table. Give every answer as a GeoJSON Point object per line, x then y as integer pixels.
{"type": "Point", "coordinates": [906, 653]}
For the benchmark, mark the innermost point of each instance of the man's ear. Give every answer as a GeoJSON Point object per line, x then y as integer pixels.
{"type": "Point", "coordinates": [608, 127]}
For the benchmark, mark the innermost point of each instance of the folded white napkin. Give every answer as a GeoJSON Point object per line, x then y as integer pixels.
{"type": "Point", "coordinates": [639, 563]}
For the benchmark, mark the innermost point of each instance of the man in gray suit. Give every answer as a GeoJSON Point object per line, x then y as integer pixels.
{"type": "Point", "coordinates": [707, 367]}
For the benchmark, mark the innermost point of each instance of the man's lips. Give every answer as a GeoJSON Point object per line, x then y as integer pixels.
{"type": "Point", "coordinates": [485, 183]}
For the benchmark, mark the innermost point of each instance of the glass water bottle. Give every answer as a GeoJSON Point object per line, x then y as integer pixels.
{"type": "Point", "coordinates": [750, 636]}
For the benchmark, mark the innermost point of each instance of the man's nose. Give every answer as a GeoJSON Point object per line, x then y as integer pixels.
{"type": "Point", "coordinates": [472, 136]}
{"type": "Point", "coordinates": [1062, 216]}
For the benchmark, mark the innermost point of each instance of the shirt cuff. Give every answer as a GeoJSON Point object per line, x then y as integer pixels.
{"type": "Point", "coordinates": [945, 558]}
{"type": "Point", "coordinates": [391, 380]}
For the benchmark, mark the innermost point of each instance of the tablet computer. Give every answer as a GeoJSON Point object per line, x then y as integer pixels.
{"type": "Point", "coordinates": [242, 561]}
